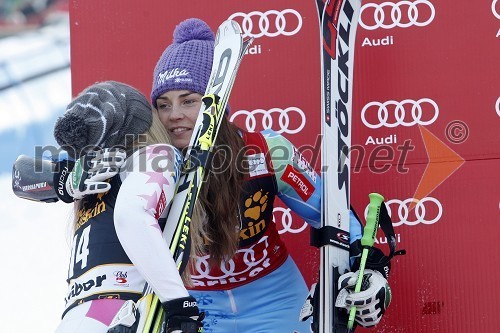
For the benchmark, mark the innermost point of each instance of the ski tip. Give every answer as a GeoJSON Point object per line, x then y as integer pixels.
{"type": "Point", "coordinates": [236, 27]}
{"type": "Point", "coordinates": [225, 27]}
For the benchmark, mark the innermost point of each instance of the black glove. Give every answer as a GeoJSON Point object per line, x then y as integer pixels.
{"type": "Point", "coordinates": [183, 315]}
{"type": "Point", "coordinates": [376, 260]}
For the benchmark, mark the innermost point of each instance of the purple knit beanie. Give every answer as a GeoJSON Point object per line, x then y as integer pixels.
{"type": "Point", "coordinates": [186, 64]}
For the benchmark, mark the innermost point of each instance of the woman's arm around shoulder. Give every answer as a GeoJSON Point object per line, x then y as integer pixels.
{"type": "Point", "coordinates": [148, 184]}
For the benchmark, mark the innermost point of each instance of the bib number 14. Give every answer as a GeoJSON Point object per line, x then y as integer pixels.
{"type": "Point", "coordinates": [79, 251]}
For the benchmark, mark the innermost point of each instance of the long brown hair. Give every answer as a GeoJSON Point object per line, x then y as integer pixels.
{"type": "Point", "coordinates": [221, 193]}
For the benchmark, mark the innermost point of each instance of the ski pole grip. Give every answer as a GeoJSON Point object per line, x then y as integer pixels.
{"type": "Point", "coordinates": [371, 227]}
{"type": "Point", "coordinates": [369, 233]}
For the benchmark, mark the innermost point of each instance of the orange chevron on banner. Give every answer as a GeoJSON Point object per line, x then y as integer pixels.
{"type": "Point", "coordinates": [443, 162]}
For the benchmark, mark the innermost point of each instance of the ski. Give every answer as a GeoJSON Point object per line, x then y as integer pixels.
{"type": "Point", "coordinates": [338, 21]}
{"type": "Point", "coordinates": [228, 53]}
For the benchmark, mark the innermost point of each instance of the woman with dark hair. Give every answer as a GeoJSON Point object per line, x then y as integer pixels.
{"type": "Point", "coordinates": [242, 275]}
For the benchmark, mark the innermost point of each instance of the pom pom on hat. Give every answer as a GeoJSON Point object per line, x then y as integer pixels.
{"type": "Point", "coordinates": [192, 29]}
{"type": "Point", "coordinates": [104, 115]}
{"type": "Point", "coordinates": [186, 64]}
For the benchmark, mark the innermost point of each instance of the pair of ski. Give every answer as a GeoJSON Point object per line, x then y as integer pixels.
{"type": "Point", "coordinates": [228, 53]}
{"type": "Point", "coordinates": [338, 22]}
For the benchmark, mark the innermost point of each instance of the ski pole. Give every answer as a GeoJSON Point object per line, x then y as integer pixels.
{"type": "Point", "coordinates": [369, 233]}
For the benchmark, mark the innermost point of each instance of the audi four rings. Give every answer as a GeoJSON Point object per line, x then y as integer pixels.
{"type": "Point", "coordinates": [257, 24]}
{"type": "Point", "coordinates": [494, 9]}
{"type": "Point", "coordinates": [228, 268]}
{"type": "Point", "coordinates": [401, 207]}
{"type": "Point", "coordinates": [397, 19]}
{"type": "Point", "coordinates": [421, 207]}
{"type": "Point", "coordinates": [417, 113]}
{"type": "Point", "coordinates": [267, 121]}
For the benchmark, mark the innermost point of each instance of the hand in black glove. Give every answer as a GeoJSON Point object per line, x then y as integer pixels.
{"type": "Point", "coordinates": [183, 315]}
{"type": "Point", "coordinates": [89, 174]}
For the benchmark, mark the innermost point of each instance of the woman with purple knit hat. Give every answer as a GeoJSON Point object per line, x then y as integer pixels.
{"type": "Point", "coordinates": [242, 275]}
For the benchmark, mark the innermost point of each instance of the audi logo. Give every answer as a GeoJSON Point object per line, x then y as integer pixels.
{"type": "Point", "coordinates": [251, 258]}
{"type": "Point", "coordinates": [257, 24]}
{"type": "Point", "coordinates": [497, 106]}
{"type": "Point", "coordinates": [419, 13]}
{"type": "Point", "coordinates": [427, 211]}
{"type": "Point", "coordinates": [267, 119]}
{"type": "Point", "coordinates": [286, 221]}
{"type": "Point", "coordinates": [494, 9]}
{"type": "Point", "coordinates": [398, 110]}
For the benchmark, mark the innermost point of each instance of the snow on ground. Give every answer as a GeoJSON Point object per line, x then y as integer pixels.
{"type": "Point", "coordinates": [35, 87]}
{"type": "Point", "coordinates": [34, 252]}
